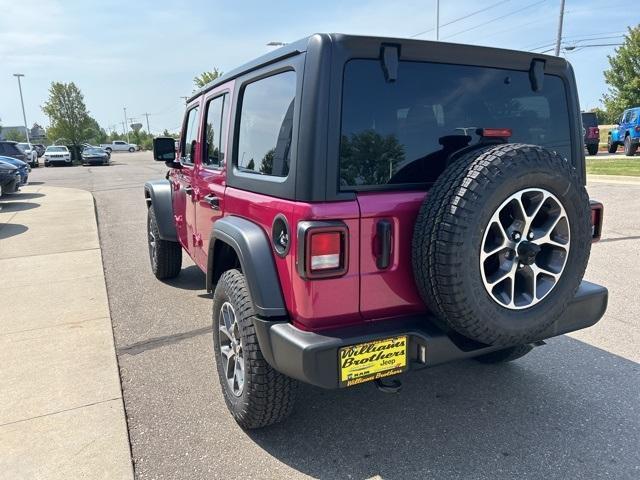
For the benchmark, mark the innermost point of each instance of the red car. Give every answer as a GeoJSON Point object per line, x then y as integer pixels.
{"type": "Point", "coordinates": [365, 206]}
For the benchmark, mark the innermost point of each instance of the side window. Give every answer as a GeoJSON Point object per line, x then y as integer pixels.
{"type": "Point", "coordinates": [266, 125]}
{"type": "Point", "coordinates": [215, 138]}
{"type": "Point", "coordinates": [189, 137]}
{"type": "Point", "coordinates": [633, 116]}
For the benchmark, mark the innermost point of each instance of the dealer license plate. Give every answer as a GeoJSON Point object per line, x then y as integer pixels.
{"type": "Point", "coordinates": [372, 360]}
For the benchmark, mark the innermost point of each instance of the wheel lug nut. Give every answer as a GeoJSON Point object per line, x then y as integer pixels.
{"type": "Point", "coordinates": [520, 265]}
{"type": "Point", "coordinates": [516, 236]}
{"type": "Point", "coordinates": [531, 235]}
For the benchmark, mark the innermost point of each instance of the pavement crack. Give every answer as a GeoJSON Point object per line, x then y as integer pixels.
{"type": "Point", "coordinates": [143, 346]}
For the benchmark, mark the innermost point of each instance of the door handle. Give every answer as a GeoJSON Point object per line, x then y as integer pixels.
{"type": "Point", "coordinates": [188, 190]}
{"type": "Point", "coordinates": [383, 234]}
{"type": "Point", "coordinates": [213, 201]}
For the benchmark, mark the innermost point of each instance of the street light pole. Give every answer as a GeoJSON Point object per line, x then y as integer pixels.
{"type": "Point", "coordinates": [125, 123]}
{"type": "Point", "coordinates": [560, 20]}
{"type": "Point", "coordinates": [24, 115]}
{"type": "Point", "coordinates": [437, 19]}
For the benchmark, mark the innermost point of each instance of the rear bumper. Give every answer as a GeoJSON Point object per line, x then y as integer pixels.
{"type": "Point", "coordinates": [313, 357]}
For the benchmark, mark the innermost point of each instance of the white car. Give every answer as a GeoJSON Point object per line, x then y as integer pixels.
{"type": "Point", "coordinates": [57, 154]}
{"type": "Point", "coordinates": [31, 153]}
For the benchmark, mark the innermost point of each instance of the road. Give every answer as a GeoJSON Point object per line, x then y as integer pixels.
{"type": "Point", "coordinates": [569, 409]}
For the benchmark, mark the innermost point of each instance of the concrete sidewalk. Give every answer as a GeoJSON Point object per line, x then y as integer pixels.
{"type": "Point", "coordinates": [61, 409]}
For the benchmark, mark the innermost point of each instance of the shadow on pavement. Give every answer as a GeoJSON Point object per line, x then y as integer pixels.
{"type": "Point", "coordinates": [28, 196]}
{"type": "Point", "coordinates": [548, 413]}
{"type": "Point", "coordinates": [18, 206]}
{"type": "Point", "coordinates": [36, 183]}
{"type": "Point", "coordinates": [190, 278]}
{"type": "Point", "coordinates": [9, 230]}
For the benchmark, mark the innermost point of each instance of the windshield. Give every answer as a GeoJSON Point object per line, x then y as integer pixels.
{"type": "Point", "coordinates": [94, 150]}
{"type": "Point", "coordinates": [402, 132]}
{"type": "Point", "coordinates": [24, 146]}
{"type": "Point", "coordinates": [57, 149]}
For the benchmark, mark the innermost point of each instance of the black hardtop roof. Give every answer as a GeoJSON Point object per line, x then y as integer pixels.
{"type": "Point", "coordinates": [301, 45]}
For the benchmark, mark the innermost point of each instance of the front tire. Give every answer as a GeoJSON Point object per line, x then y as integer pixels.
{"type": "Point", "coordinates": [131, 150]}
{"type": "Point", "coordinates": [612, 147]}
{"type": "Point", "coordinates": [255, 393]}
{"type": "Point", "coordinates": [165, 256]}
{"type": "Point", "coordinates": [629, 148]}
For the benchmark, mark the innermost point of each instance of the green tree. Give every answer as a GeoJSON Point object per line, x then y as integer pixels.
{"type": "Point", "coordinates": [624, 76]}
{"type": "Point", "coordinates": [206, 77]}
{"type": "Point", "coordinates": [68, 114]}
{"type": "Point", "coordinates": [15, 136]}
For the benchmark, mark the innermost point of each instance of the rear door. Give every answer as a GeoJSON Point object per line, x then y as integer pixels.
{"type": "Point", "coordinates": [182, 180]}
{"type": "Point", "coordinates": [210, 180]}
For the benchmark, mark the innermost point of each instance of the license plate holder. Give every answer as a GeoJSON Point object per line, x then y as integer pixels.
{"type": "Point", "coordinates": [367, 361]}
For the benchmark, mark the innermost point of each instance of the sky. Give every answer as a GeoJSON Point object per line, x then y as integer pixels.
{"type": "Point", "coordinates": [143, 54]}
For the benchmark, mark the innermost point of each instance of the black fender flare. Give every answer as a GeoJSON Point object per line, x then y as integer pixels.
{"type": "Point", "coordinates": [254, 252]}
{"type": "Point", "coordinates": [157, 194]}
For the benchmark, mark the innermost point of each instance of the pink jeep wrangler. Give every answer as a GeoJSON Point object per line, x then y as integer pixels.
{"type": "Point", "coordinates": [366, 206]}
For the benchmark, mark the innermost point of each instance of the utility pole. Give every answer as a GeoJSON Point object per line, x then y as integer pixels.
{"type": "Point", "coordinates": [124, 124]}
{"type": "Point", "coordinates": [560, 20]}
{"type": "Point", "coordinates": [437, 19]}
{"type": "Point", "coordinates": [24, 115]}
{"type": "Point", "coordinates": [148, 129]}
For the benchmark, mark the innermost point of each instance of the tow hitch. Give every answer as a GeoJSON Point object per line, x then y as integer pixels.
{"type": "Point", "coordinates": [388, 385]}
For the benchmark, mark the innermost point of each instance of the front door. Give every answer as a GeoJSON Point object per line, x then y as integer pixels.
{"type": "Point", "coordinates": [182, 181]}
{"type": "Point", "coordinates": [210, 180]}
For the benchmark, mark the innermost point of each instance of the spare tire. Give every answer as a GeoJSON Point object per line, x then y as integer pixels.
{"type": "Point", "coordinates": [501, 243]}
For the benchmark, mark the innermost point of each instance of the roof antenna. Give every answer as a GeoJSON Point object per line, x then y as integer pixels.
{"type": "Point", "coordinates": [536, 74]}
{"type": "Point", "coordinates": [389, 56]}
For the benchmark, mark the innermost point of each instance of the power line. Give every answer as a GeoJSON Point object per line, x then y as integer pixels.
{"type": "Point", "coordinates": [575, 41]}
{"type": "Point", "coordinates": [461, 18]}
{"type": "Point", "coordinates": [496, 19]}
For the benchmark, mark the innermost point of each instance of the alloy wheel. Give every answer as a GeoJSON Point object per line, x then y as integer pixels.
{"type": "Point", "coordinates": [525, 248]}
{"type": "Point", "coordinates": [231, 350]}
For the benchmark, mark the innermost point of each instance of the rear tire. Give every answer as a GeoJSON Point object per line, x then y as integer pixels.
{"type": "Point", "coordinates": [592, 149]}
{"type": "Point", "coordinates": [507, 355]}
{"type": "Point", "coordinates": [612, 147]}
{"type": "Point", "coordinates": [264, 396]}
{"type": "Point", "coordinates": [165, 256]}
{"type": "Point", "coordinates": [629, 148]}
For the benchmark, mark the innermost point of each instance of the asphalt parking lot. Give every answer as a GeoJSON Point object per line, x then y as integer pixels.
{"type": "Point", "coordinates": [569, 409]}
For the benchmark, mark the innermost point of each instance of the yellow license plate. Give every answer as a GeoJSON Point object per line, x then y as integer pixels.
{"type": "Point", "coordinates": [372, 360]}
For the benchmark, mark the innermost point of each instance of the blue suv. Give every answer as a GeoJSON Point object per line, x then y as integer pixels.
{"type": "Point", "coordinates": [627, 132]}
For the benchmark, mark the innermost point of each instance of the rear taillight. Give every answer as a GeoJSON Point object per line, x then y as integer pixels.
{"type": "Point", "coordinates": [594, 132]}
{"type": "Point", "coordinates": [323, 249]}
{"type": "Point", "coordinates": [597, 211]}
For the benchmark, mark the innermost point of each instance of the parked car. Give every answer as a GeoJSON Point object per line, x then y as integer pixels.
{"type": "Point", "coordinates": [23, 168]}
{"type": "Point", "coordinates": [119, 146]}
{"type": "Point", "coordinates": [88, 145]}
{"type": "Point", "coordinates": [10, 149]}
{"type": "Point", "coordinates": [40, 149]}
{"type": "Point", "coordinates": [414, 204]}
{"type": "Point", "coordinates": [626, 133]}
{"type": "Point", "coordinates": [57, 154]}
{"type": "Point", "coordinates": [9, 179]}
{"type": "Point", "coordinates": [591, 132]}
{"type": "Point", "coordinates": [31, 153]}
{"type": "Point", "coordinates": [95, 156]}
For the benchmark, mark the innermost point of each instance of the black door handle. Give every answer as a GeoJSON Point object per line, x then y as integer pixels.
{"type": "Point", "coordinates": [188, 190]}
{"type": "Point", "coordinates": [383, 234]}
{"type": "Point", "coordinates": [213, 201]}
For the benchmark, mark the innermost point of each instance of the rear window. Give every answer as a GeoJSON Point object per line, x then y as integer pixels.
{"type": "Point", "coordinates": [402, 132]}
{"type": "Point", "coordinates": [589, 120]}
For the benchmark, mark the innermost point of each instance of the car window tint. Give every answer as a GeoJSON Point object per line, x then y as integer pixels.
{"type": "Point", "coordinates": [266, 125]}
{"type": "Point", "coordinates": [402, 132]}
{"type": "Point", "coordinates": [213, 154]}
{"type": "Point", "coordinates": [190, 137]}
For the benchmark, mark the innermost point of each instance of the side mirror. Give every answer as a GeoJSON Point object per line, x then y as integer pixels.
{"type": "Point", "coordinates": [164, 149]}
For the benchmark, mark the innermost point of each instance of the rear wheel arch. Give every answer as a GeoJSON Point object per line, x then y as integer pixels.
{"type": "Point", "coordinates": [157, 194]}
{"type": "Point", "coordinates": [252, 255]}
